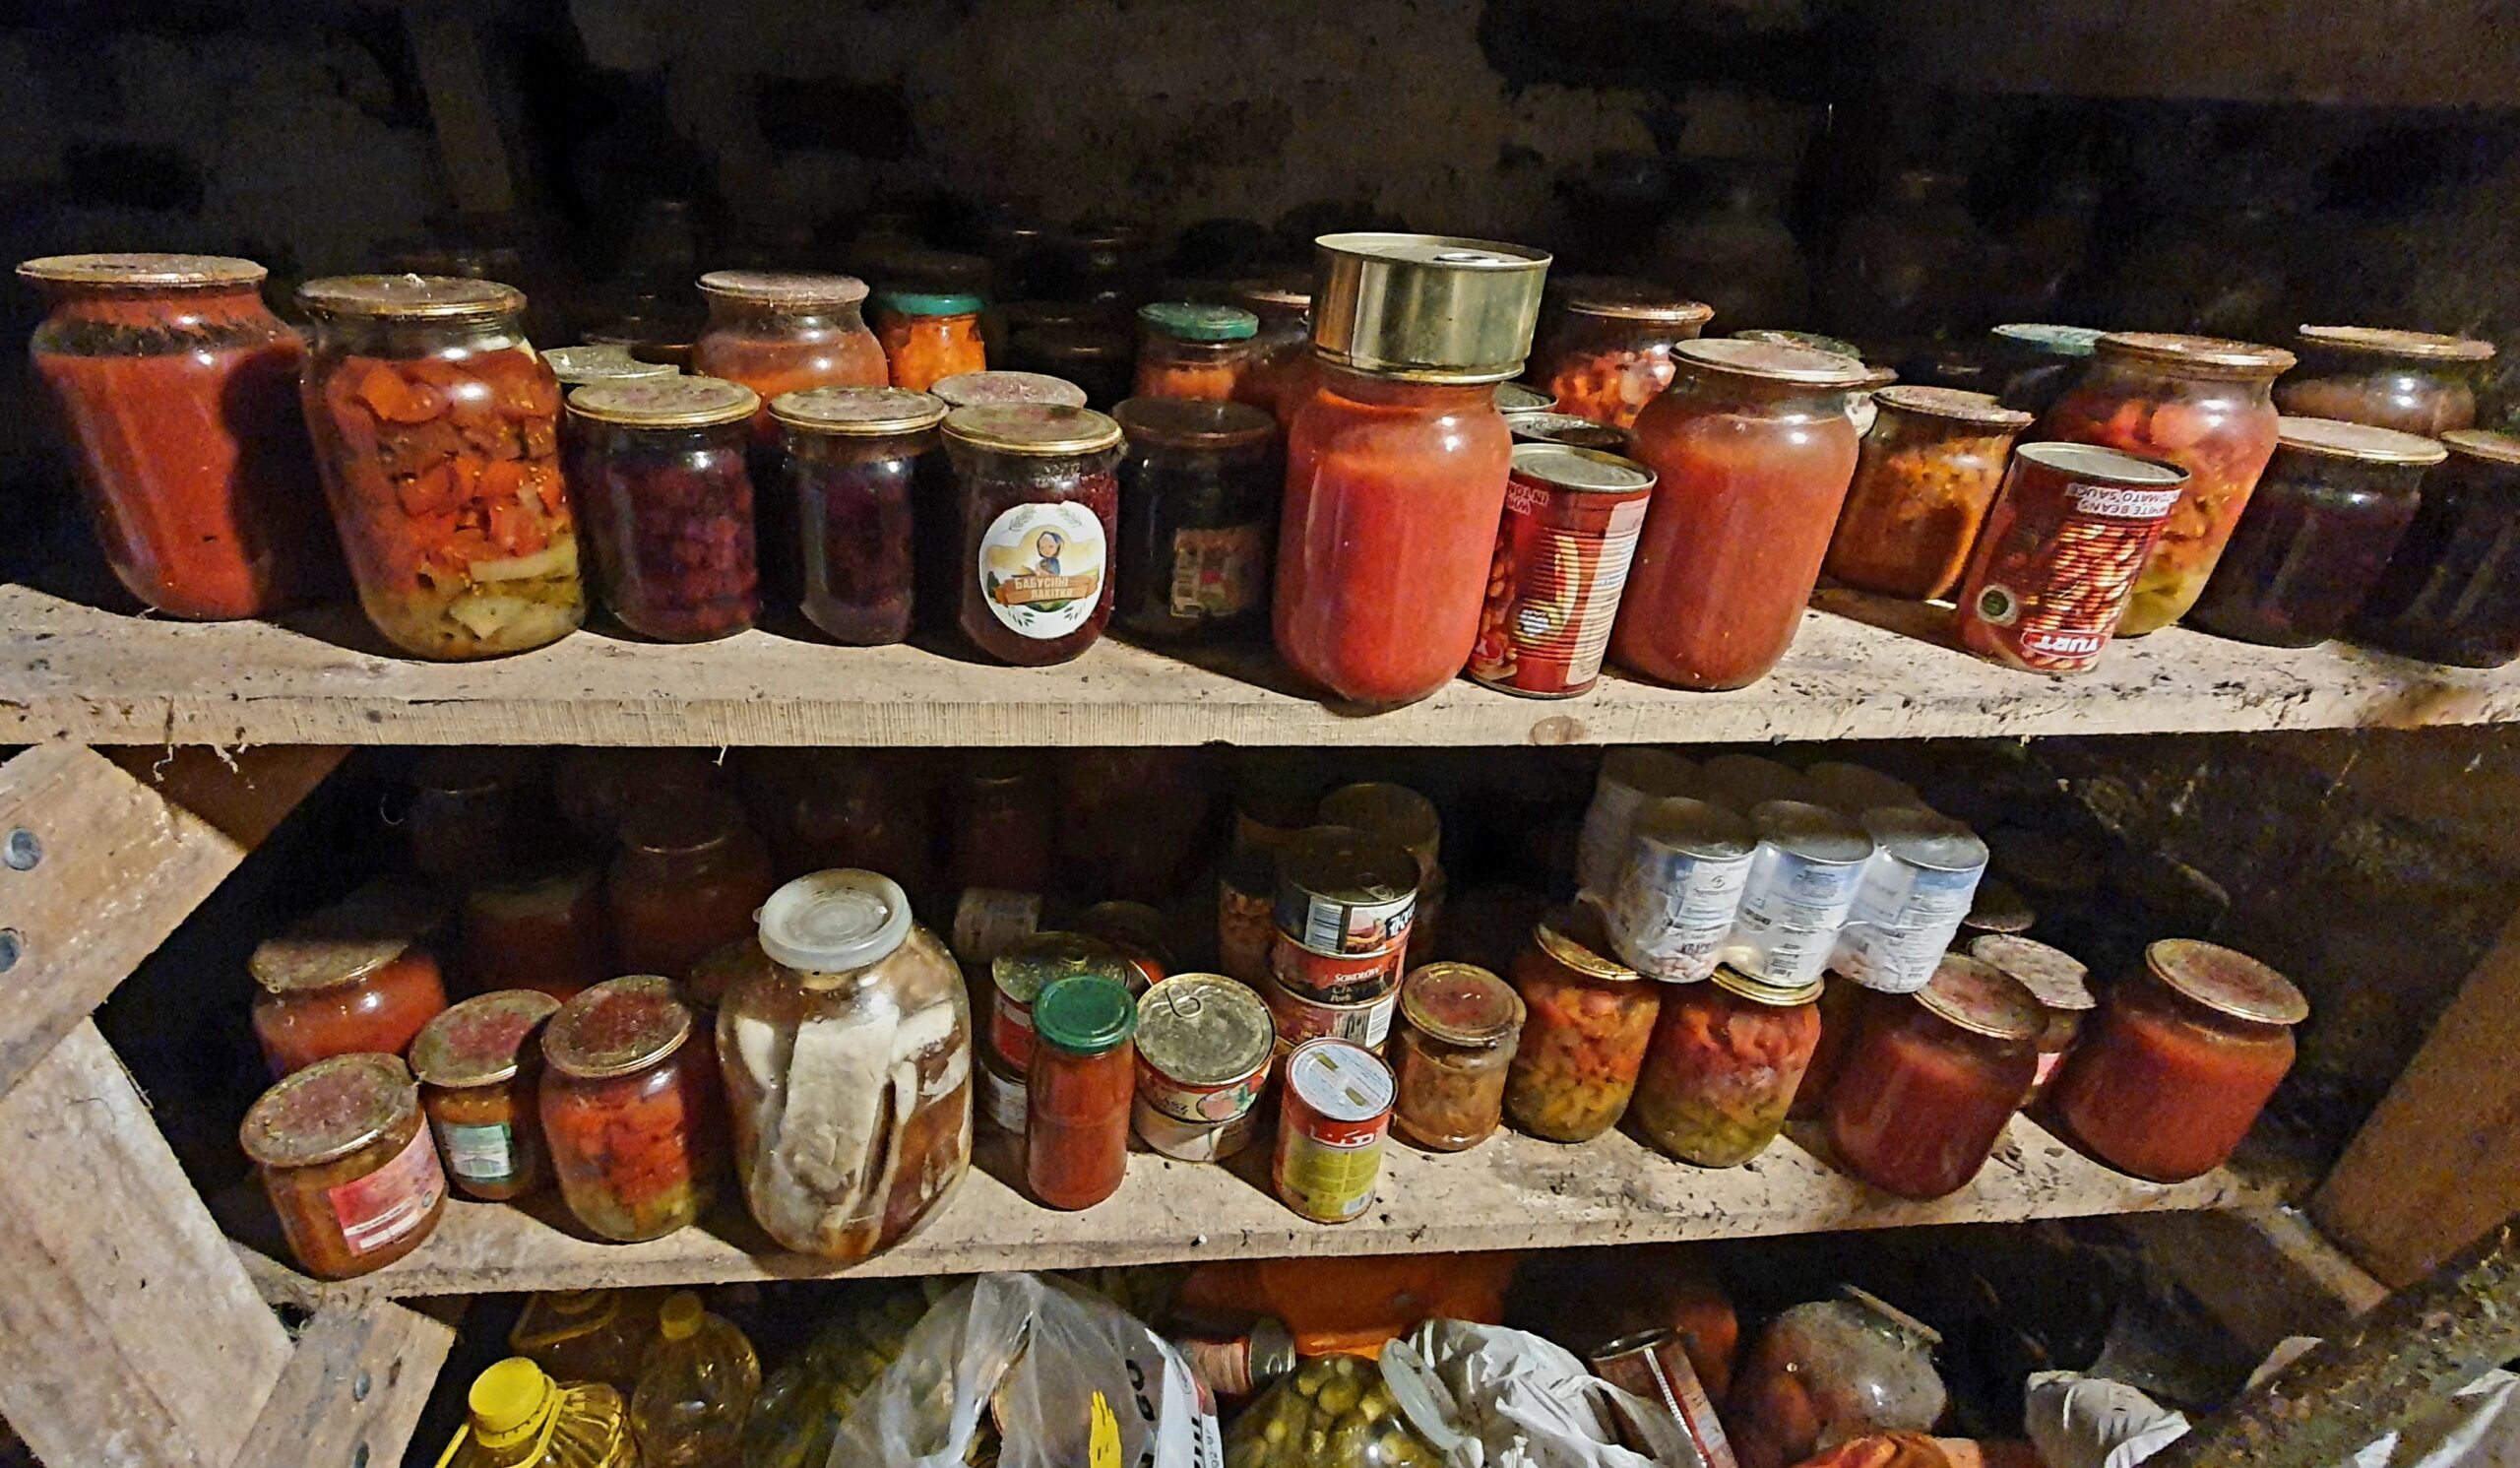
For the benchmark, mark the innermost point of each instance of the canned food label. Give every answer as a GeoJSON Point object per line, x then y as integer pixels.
{"type": "Point", "coordinates": [988, 919]}
{"type": "Point", "coordinates": [1779, 954]}
{"type": "Point", "coordinates": [1790, 891]}
{"type": "Point", "coordinates": [1893, 960]}
{"type": "Point", "coordinates": [1219, 572]}
{"type": "Point", "coordinates": [1328, 1184]}
{"type": "Point", "coordinates": [1002, 1100]}
{"type": "Point", "coordinates": [1299, 1019]}
{"type": "Point", "coordinates": [2057, 567]}
{"type": "Point", "coordinates": [390, 1202]}
{"type": "Point", "coordinates": [1245, 926]}
{"type": "Point", "coordinates": [1325, 980]}
{"type": "Point", "coordinates": [1902, 894]}
{"type": "Point", "coordinates": [1672, 914]}
{"type": "Point", "coordinates": [1553, 587]}
{"type": "Point", "coordinates": [1010, 1030]}
{"type": "Point", "coordinates": [479, 1154]}
{"type": "Point", "coordinates": [1325, 926]}
{"type": "Point", "coordinates": [1040, 567]}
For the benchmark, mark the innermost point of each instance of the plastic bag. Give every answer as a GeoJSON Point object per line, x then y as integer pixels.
{"type": "Point", "coordinates": [1075, 1383]}
{"type": "Point", "coordinates": [1488, 1397]}
{"type": "Point", "coordinates": [2081, 1421]}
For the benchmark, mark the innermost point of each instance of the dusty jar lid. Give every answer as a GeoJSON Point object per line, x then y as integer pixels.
{"type": "Point", "coordinates": [973, 389]}
{"type": "Point", "coordinates": [2050, 339]}
{"type": "Point", "coordinates": [1589, 471]}
{"type": "Point", "coordinates": [329, 1109]}
{"type": "Point", "coordinates": [928, 302]}
{"type": "Point", "coordinates": [1426, 307]}
{"type": "Point", "coordinates": [617, 1027]}
{"type": "Point", "coordinates": [1039, 429]}
{"type": "Point", "coordinates": [1289, 294]}
{"type": "Point", "coordinates": [835, 922]}
{"type": "Point", "coordinates": [1390, 812]}
{"type": "Point", "coordinates": [2054, 978]}
{"type": "Point", "coordinates": [1085, 1014]}
{"type": "Point", "coordinates": [2333, 438]}
{"type": "Point", "coordinates": [1567, 428]}
{"type": "Point", "coordinates": [2485, 444]}
{"type": "Point", "coordinates": [1958, 405]}
{"type": "Point", "coordinates": [2227, 981]}
{"type": "Point", "coordinates": [480, 1042]}
{"type": "Point", "coordinates": [1695, 828]}
{"type": "Point", "coordinates": [1461, 1003]}
{"type": "Point", "coordinates": [1650, 771]}
{"type": "Point", "coordinates": [341, 944]}
{"type": "Point", "coordinates": [682, 827]}
{"type": "Point", "coordinates": [1760, 991]}
{"type": "Point", "coordinates": [1576, 938]}
{"type": "Point", "coordinates": [2383, 340]}
{"type": "Point", "coordinates": [1340, 1080]}
{"type": "Point", "coordinates": [1998, 909]}
{"type": "Point", "coordinates": [1982, 998]}
{"type": "Point", "coordinates": [793, 290]}
{"type": "Point", "coordinates": [1778, 337]}
{"type": "Point", "coordinates": [1815, 833]}
{"type": "Point", "coordinates": [2204, 357]}
{"type": "Point", "coordinates": [664, 402]}
{"type": "Point", "coordinates": [1030, 961]}
{"type": "Point", "coordinates": [1346, 865]}
{"type": "Point", "coordinates": [600, 361]}
{"type": "Point", "coordinates": [1773, 361]}
{"type": "Point", "coordinates": [1926, 838]}
{"type": "Point", "coordinates": [1204, 1030]}
{"type": "Point", "coordinates": [142, 270]}
{"type": "Point", "coordinates": [1194, 422]}
{"type": "Point", "coordinates": [858, 412]}
{"type": "Point", "coordinates": [1195, 321]}
{"type": "Point", "coordinates": [2089, 460]}
{"type": "Point", "coordinates": [409, 298]}
{"type": "Point", "coordinates": [1516, 398]}
{"type": "Point", "coordinates": [1624, 299]}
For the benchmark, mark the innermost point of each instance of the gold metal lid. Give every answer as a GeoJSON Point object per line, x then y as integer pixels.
{"type": "Point", "coordinates": [1567, 467]}
{"type": "Point", "coordinates": [2203, 356]}
{"type": "Point", "coordinates": [2383, 340]}
{"type": "Point", "coordinates": [2333, 438]}
{"type": "Point", "coordinates": [1982, 999]}
{"type": "Point", "coordinates": [1625, 299]}
{"type": "Point", "coordinates": [973, 389]}
{"type": "Point", "coordinates": [1028, 965]}
{"type": "Point", "coordinates": [142, 270]}
{"type": "Point", "coordinates": [795, 291]}
{"type": "Point", "coordinates": [2227, 981]}
{"type": "Point", "coordinates": [1773, 361]}
{"type": "Point", "coordinates": [1426, 307]}
{"type": "Point", "coordinates": [343, 944]}
{"type": "Point", "coordinates": [2054, 978]}
{"type": "Point", "coordinates": [683, 825]}
{"type": "Point", "coordinates": [329, 1110]}
{"type": "Point", "coordinates": [617, 1027]}
{"type": "Point", "coordinates": [482, 1041]}
{"type": "Point", "coordinates": [1576, 936]}
{"type": "Point", "coordinates": [664, 402]}
{"type": "Point", "coordinates": [2483, 443]}
{"type": "Point", "coordinates": [1039, 429]}
{"type": "Point", "coordinates": [1955, 404]}
{"type": "Point", "coordinates": [1391, 811]}
{"type": "Point", "coordinates": [599, 362]}
{"type": "Point", "coordinates": [1204, 1030]}
{"type": "Point", "coordinates": [409, 298]}
{"type": "Point", "coordinates": [1760, 991]}
{"type": "Point", "coordinates": [1194, 422]}
{"type": "Point", "coordinates": [1568, 430]}
{"type": "Point", "coordinates": [1461, 1003]}
{"type": "Point", "coordinates": [1288, 295]}
{"type": "Point", "coordinates": [860, 412]}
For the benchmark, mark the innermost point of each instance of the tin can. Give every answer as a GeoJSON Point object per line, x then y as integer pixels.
{"type": "Point", "coordinates": [1242, 1364]}
{"type": "Point", "coordinates": [2058, 560]}
{"type": "Point", "coordinates": [1687, 865]}
{"type": "Point", "coordinates": [1916, 891]}
{"type": "Point", "coordinates": [1192, 1141]}
{"type": "Point", "coordinates": [1777, 953]}
{"type": "Point", "coordinates": [1138, 932]}
{"type": "Point", "coordinates": [1002, 1095]}
{"type": "Point", "coordinates": [1390, 812]}
{"type": "Point", "coordinates": [1562, 553]}
{"type": "Point", "coordinates": [1203, 1047]}
{"type": "Point", "coordinates": [1352, 978]}
{"type": "Point", "coordinates": [1246, 914]}
{"type": "Point", "coordinates": [1341, 891]}
{"type": "Point", "coordinates": [1655, 1366]}
{"type": "Point", "coordinates": [1365, 1022]}
{"type": "Point", "coordinates": [1630, 775]}
{"type": "Point", "coordinates": [1024, 967]}
{"type": "Point", "coordinates": [987, 919]}
{"type": "Point", "coordinates": [1515, 397]}
{"type": "Point", "coordinates": [1542, 425]}
{"type": "Point", "coordinates": [1334, 1113]}
{"type": "Point", "coordinates": [1809, 866]}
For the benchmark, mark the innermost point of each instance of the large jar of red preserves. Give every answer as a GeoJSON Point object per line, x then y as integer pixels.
{"type": "Point", "coordinates": [348, 1165]}
{"type": "Point", "coordinates": [2181, 1060]}
{"type": "Point", "coordinates": [1198, 515]}
{"type": "Point", "coordinates": [2327, 515]}
{"type": "Point", "coordinates": [2200, 402]}
{"type": "Point", "coordinates": [176, 389]}
{"type": "Point", "coordinates": [477, 812]}
{"type": "Point", "coordinates": [2415, 382]}
{"type": "Point", "coordinates": [669, 505]}
{"type": "Point", "coordinates": [1933, 1082]}
{"type": "Point", "coordinates": [1079, 1091]}
{"type": "Point", "coordinates": [349, 980]}
{"type": "Point", "coordinates": [1925, 478]}
{"type": "Point", "coordinates": [549, 930]}
{"type": "Point", "coordinates": [438, 432]}
{"type": "Point", "coordinates": [869, 808]}
{"type": "Point", "coordinates": [2451, 594]}
{"type": "Point", "coordinates": [777, 332]}
{"type": "Point", "coordinates": [1003, 808]}
{"type": "Point", "coordinates": [1588, 1020]}
{"type": "Point", "coordinates": [478, 1064]}
{"type": "Point", "coordinates": [1724, 1063]}
{"type": "Point", "coordinates": [848, 1065]}
{"type": "Point", "coordinates": [858, 466]}
{"type": "Point", "coordinates": [631, 1110]}
{"type": "Point", "coordinates": [1397, 462]}
{"type": "Point", "coordinates": [1606, 344]}
{"type": "Point", "coordinates": [1038, 492]}
{"type": "Point", "coordinates": [687, 878]}
{"type": "Point", "coordinates": [1754, 449]}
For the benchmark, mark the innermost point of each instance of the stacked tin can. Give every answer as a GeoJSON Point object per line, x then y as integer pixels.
{"type": "Point", "coordinates": [1916, 890]}
{"type": "Point", "coordinates": [1344, 904]}
{"type": "Point", "coordinates": [1018, 973]}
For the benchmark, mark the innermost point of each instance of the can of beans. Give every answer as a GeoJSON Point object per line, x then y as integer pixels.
{"type": "Point", "coordinates": [1686, 866]}
{"type": "Point", "coordinates": [1028, 965]}
{"type": "Point", "coordinates": [1544, 427]}
{"type": "Point", "coordinates": [1192, 1141]}
{"type": "Point", "coordinates": [1351, 979]}
{"type": "Point", "coordinates": [1246, 914]}
{"type": "Point", "coordinates": [1203, 1045]}
{"type": "Point", "coordinates": [2056, 564]}
{"type": "Point", "coordinates": [1341, 891]}
{"type": "Point", "coordinates": [1365, 1022]}
{"type": "Point", "coordinates": [1807, 869]}
{"type": "Point", "coordinates": [1916, 890]}
{"type": "Point", "coordinates": [1333, 1116]}
{"type": "Point", "coordinates": [1562, 553]}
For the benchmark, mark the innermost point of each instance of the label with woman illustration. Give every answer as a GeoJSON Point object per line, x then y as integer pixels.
{"type": "Point", "coordinates": [1042, 567]}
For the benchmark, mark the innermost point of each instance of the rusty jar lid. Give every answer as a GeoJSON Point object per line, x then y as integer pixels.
{"type": "Point", "coordinates": [1773, 361]}
{"type": "Point", "coordinates": [1461, 1003]}
{"type": "Point", "coordinates": [973, 389]}
{"type": "Point", "coordinates": [664, 402]}
{"type": "Point", "coordinates": [1623, 299]}
{"type": "Point", "coordinates": [1032, 429]}
{"type": "Point", "coordinates": [600, 361]}
{"type": "Point", "coordinates": [1813, 341]}
{"type": "Point", "coordinates": [616, 1028]}
{"type": "Point", "coordinates": [409, 298]}
{"type": "Point", "coordinates": [1390, 812]}
{"type": "Point", "coordinates": [329, 1110]}
{"type": "Point", "coordinates": [2054, 978]}
{"type": "Point", "coordinates": [482, 1041]}
{"type": "Point", "coordinates": [1204, 1030]}
{"type": "Point", "coordinates": [1344, 866]}
{"type": "Point", "coordinates": [1576, 938]}
{"type": "Point", "coordinates": [1953, 404]}
{"type": "Point", "coordinates": [1426, 307]}
{"type": "Point", "coordinates": [2484, 444]}
{"type": "Point", "coordinates": [2199, 356]}
{"type": "Point", "coordinates": [1279, 295]}
{"type": "Point", "coordinates": [858, 412]}
{"type": "Point", "coordinates": [781, 289]}
{"type": "Point", "coordinates": [2333, 438]}
{"type": "Point", "coordinates": [1564, 465]}
{"type": "Point", "coordinates": [2227, 981]}
{"type": "Point", "coordinates": [142, 270]}
{"type": "Point", "coordinates": [1194, 423]}
{"type": "Point", "coordinates": [341, 944]}
{"type": "Point", "coordinates": [2388, 342]}
{"type": "Point", "coordinates": [1760, 991]}
{"type": "Point", "coordinates": [1030, 961]}
{"type": "Point", "coordinates": [1997, 908]}
{"type": "Point", "coordinates": [1982, 998]}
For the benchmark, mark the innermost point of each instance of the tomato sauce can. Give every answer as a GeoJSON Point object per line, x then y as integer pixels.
{"type": "Point", "coordinates": [1203, 1045]}
{"type": "Point", "coordinates": [1352, 979]}
{"type": "Point", "coordinates": [1365, 1022]}
{"type": "Point", "coordinates": [1246, 914]}
{"type": "Point", "coordinates": [1343, 892]}
{"type": "Point", "coordinates": [1030, 963]}
{"type": "Point", "coordinates": [2056, 564]}
{"type": "Point", "coordinates": [1333, 1114]}
{"type": "Point", "coordinates": [1572, 516]}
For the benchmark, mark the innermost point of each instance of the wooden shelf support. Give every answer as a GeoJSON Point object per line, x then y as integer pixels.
{"type": "Point", "coordinates": [353, 1391]}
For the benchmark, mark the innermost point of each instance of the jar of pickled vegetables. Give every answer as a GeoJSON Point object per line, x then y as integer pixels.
{"type": "Point", "coordinates": [1198, 487]}
{"type": "Point", "coordinates": [344, 982]}
{"type": "Point", "coordinates": [1932, 1083]}
{"type": "Point", "coordinates": [687, 877]}
{"type": "Point", "coordinates": [2451, 593]}
{"type": "Point", "coordinates": [859, 469]}
{"type": "Point", "coordinates": [2200, 402]}
{"type": "Point", "coordinates": [1723, 1066]}
{"type": "Point", "coordinates": [1190, 350]}
{"type": "Point", "coordinates": [2415, 382]}
{"type": "Point", "coordinates": [2182, 1059]}
{"type": "Point", "coordinates": [930, 336]}
{"type": "Point", "coordinates": [1588, 1019]}
{"type": "Point", "coordinates": [1754, 449]}
{"type": "Point", "coordinates": [1452, 1054]}
{"type": "Point", "coordinates": [2327, 515]}
{"type": "Point", "coordinates": [1039, 493]}
{"type": "Point", "coordinates": [474, 813]}
{"type": "Point", "coordinates": [1279, 373]}
{"type": "Point", "coordinates": [779, 332]}
{"type": "Point", "coordinates": [1925, 478]}
{"type": "Point", "coordinates": [1333, 1412]}
{"type": "Point", "coordinates": [632, 1111]}
{"type": "Point", "coordinates": [1606, 344]}
{"type": "Point", "coordinates": [480, 1065]}
{"type": "Point", "coordinates": [669, 505]}
{"type": "Point", "coordinates": [1079, 1090]}
{"type": "Point", "coordinates": [438, 432]}
{"type": "Point", "coordinates": [1828, 1372]}
{"type": "Point", "coordinates": [347, 1163]}
{"type": "Point", "coordinates": [548, 932]}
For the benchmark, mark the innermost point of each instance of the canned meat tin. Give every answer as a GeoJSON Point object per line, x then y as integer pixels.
{"type": "Point", "coordinates": [1807, 868]}
{"type": "Point", "coordinates": [1352, 978]}
{"type": "Point", "coordinates": [1333, 1114]}
{"type": "Point", "coordinates": [1026, 967]}
{"type": "Point", "coordinates": [1192, 1141]}
{"type": "Point", "coordinates": [1343, 892]}
{"type": "Point", "coordinates": [1562, 552]}
{"type": "Point", "coordinates": [1687, 865]}
{"type": "Point", "coordinates": [1365, 1022]}
{"type": "Point", "coordinates": [1203, 1045]}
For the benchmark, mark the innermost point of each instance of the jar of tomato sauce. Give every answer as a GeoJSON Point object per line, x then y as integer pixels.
{"type": "Point", "coordinates": [1606, 344]}
{"type": "Point", "coordinates": [1002, 805]}
{"type": "Point", "coordinates": [1186, 349]}
{"type": "Point", "coordinates": [2327, 515]}
{"type": "Point", "coordinates": [930, 336]}
{"type": "Point", "coordinates": [866, 808]}
{"type": "Point", "coordinates": [1754, 449]}
{"type": "Point", "coordinates": [1925, 478]}
{"type": "Point", "coordinates": [632, 1111]}
{"type": "Point", "coordinates": [860, 467]}
{"type": "Point", "coordinates": [1039, 497]}
{"type": "Point", "coordinates": [549, 930]}
{"type": "Point", "coordinates": [2451, 593]}
{"type": "Point", "coordinates": [1279, 375]}
{"type": "Point", "coordinates": [347, 1163]}
{"type": "Point", "coordinates": [687, 878]}
{"type": "Point", "coordinates": [595, 787]}
{"type": "Point", "coordinates": [349, 980]}
{"type": "Point", "coordinates": [1721, 1069]}
{"type": "Point", "coordinates": [1588, 1020]}
{"type": "Point", "coordinates": [176, 389]}
{"type": "Point", "coordinates": [2180, 1062]}
{"type": "Point", "coordinates": [1079, 1091]}
{"type": "Point", "coordinates": [478, 1064]}
{"type": "Point", "coordinates": [668, 503]}
{"type": "Point", "coordinates": [777, 332]}
{"type": "Point", "coordinates": [1933, 1082]}
{"type": "Point", "coordinates": [2415, 382]}
{"type": "Point", "coordinates": [1397, 462]}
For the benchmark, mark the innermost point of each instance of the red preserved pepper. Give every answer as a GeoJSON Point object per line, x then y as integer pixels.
{"type": "Point", "coordinates": [632, 1111]}
{"type": "Point", "coordinates": [1931, 1085]}
{"type": "Point", "coordinates": [1078, 1092]}
{"type": "Point", "coordinates": [668, 503]}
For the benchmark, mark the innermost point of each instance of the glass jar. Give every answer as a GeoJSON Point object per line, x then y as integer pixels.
{"type": "Point", "coordinates": [1930, 1084]}
{"type": "Point", "coordinates": [687, 878]}
{"type": "Point", "coordinates": [867, 808]}
{"type": "Point", "coordinates": [1723, 1066]}
{"type": "Point", "coordinates": [1829, 1372]}
{"type": "Point", "coordinates": [2056, 980]}
{"type": "Point", "coordinates": [2334, 502]}
{"type": "Point", "coordinates": [438, 432]}
{"type": "Point", "coordinates": [519, 1416]}
{"type": "Point", "coordinates": [480, 1065]}
{"type": "Point", "coordinates": [1588, 1020]}
{"type": "Point", "coordinates": [2200, 402]}
{"type": "Point", "coordinates": [595, 787]}
{"type": "Point", "coordinates": [1039, 493]}
{"type": "Point", "coordinates": [1026, 966]}
{"type": "Point", "coordinates": [2035, 362]}
{"type": "Point", "coordinates": [848, 1067]}
{"type": "Point", "coordinates": [1735, 246]}
{"type": "Point", "coordinates": [1845, 1005]}
{"type": "Point", "coordinates": [1003, 823]}
{"type": "Point", "coordinates": [858, 466]}
{"type": "Point", "coordinates": [1924, 482]}
{"type": "Point", "coordinates": [928, 336]}
{"type": "Point", "coordinates": [1097, 358]}
{"type": "Point", "coordinates": [975, 389]}
{"type": "Point", "coordinates": [176, 389]}
{"type": "Point", "coordinates": [778, 332]}
{"type": "Point", "coordinates": [1754, 449]}
{"type": "Point", "coordinates": [546, 932]}
{"type": "Point", "coordinates": [347, 1163]}
{"type": "Point", "coordinates": [1198, 487]}
{"type": "Point", "coordinates": [1452, 1056]}
{"type": "Point", "coordinates": [2415, 382]}
{"type": "Point", "coordinates": [1909, 262]}
{"type": "Point", "coordinates": [1078, 1091]}
{"type": "Point", "coordinates": [1188, 350]}
{"type": "Point", "coordinates": [2182, 1059]}
{"type": "Point", "coordinates": [1277, 376]}
{"type": "Point", "coordinates": [474, 813]}
{"type": "Point", "coordinates": [345, 982]}
{"type": "Point", "coordinates": [2451, 594]}
{"type": "Point", "coordinates": [669, 505]}
{"type": "Point", "coordinates": [1606, 344]}
{"type": "Point", "coordinates": [632, 1111]}
{"type": "Point", "coordinates": [1111, 263]}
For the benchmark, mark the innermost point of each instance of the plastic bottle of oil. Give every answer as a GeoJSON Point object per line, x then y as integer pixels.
{"type": "Point", "coordinates": [694, 1389]}
{"type": "Point", "coordinates": [520, 1418]}
{"type": "Point", "coordinates": [588, 1335]}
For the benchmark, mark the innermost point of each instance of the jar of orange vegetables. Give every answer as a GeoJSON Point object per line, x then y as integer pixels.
{"type": "Point", "coordinates": [1606, 344]}
{"type": "Point", "coordinates": [632, 1111]}
{"type": "Point", "coordinates": [1588, 1019]}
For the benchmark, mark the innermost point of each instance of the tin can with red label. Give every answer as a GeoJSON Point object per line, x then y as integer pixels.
{"type": "Point", "coordinates": [1333, 1116]}
{"type": "Point", "coordinates": [1562, 552]}
{"type": "Point", "coordinates": [1026, 968]}
{"type": "Point", "coordinates": [1365, 1022]}
{"type": "Point", "coordinates": [2056, 564]}
{"type": "Point", "coordinates": [1343, 892]}
{"type": "Point", "coordinates": [1349, 978]}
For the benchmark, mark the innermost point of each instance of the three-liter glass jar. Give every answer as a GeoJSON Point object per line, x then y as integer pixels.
{"type": "Point", "coordinates": [2451, 594]}
{"type": "Point", "coordinates": [668, 503]}
{"type": "Point", "coordinates": [859, 471]}
{"type": "Point", "coordinates": [1933, 1081]}
{"type": "Point", "coordinates": [1924, 482]}
{"type": "Point", "coordinates": [1606, 344]}
{"type": "Point", "coordinates": [2415, 382]}
{"type": "Point", "coordinates": [1039, 497]}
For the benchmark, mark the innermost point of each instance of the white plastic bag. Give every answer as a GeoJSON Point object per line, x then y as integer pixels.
{"type": "Point", "coordinates": [2083, 1422]}
{"type": "Point", "coordinates": [1077, 1382]}
{"type": "Point", "coordinates": [1487, 1397]}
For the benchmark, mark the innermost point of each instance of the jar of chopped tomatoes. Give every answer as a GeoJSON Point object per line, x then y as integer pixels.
{"type": "Point", "coordinates": [1723, 1066]}
{"type": "Point", "coordinates": [1606, 344]}
{"type": "Point", "coordinates": [1079, 1089]}
{"type": "Point", "coordinates": [688, 877]}
{"type": "Point", "coordinates": [547, 931]}
{"type": "Point", "coordinates": [669, 504]}
{"type": "Point", "coordinates": [346, 1163]}
{"type": "Point", "coordinates": [1588, 1020]}
{"type": "Point", "coordinates": [351, 978]}
{"type": "Point", "coordinates": [632, 1109]}
{"type": "Point", "coordinates": [777, 332]}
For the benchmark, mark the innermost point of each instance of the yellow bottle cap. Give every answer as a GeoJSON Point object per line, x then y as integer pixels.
{"type": "Point", "coordinates": [509, 1402]}
{"type": "Point", "coordinates": [680, 1317]}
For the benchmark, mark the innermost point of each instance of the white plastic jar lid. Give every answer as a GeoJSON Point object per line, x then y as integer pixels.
{"type": "Point", "coordinates": [833, 922]}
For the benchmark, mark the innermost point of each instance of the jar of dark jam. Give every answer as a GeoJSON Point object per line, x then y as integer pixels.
{"type": "Point", "coordinates": [2329, 510]}
{"type": "Point", "coordinates": [850, 462]}
{"type": "Point", "coordinates": [2451, 594]}
{"type": "Point", "coordinates": [1200, 481]}
{"type": "Point", "coordinates": [2416, 382]}
{"type": "Point", "coordinates": [668, 503]}
{"type": "Point", "coordinates": [1039, 493]}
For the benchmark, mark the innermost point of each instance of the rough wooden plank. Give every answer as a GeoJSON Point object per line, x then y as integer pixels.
{"type": "Point", "coordinates": [468, 144]}
{"type": "Point", "coordinates": [2263, 1272]}
{"type": "Point", "coordinates": [353, 1390]}
{"type": "Point", "coordinates": [129, 1337]}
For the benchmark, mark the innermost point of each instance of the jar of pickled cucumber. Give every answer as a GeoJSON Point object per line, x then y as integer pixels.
{"type": "Point", "coordinates": [1334, 1412]}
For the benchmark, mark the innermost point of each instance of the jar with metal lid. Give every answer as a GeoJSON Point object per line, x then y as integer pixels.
{"type": "Point", "coordinates": [349, 980]}
{"type": "Point", "coordinates": [176, 391]}
{"type": "Point", "coordinates": [1588, 1019]}
{"type": "Point", "coordinates": [1188, 350]}
{"type": "Point", "coordinates": [1198, 487]}
{"type": "Point", "coordinates": [347, 1163]}
{"type": "Point", "coordinates": [1629, 775]}
{"type": "Point", "coordinates": [1106, 262]}
{"type": "Point", "coordinates": [1604, 347]}
{"type": "Point", "coordinates": [1678, 887]}
{"type": "Point", "coordinates": [1924, 482]}
{"type": "Point", "coordinates": [781, 332]}
{"type": "Point", "coordinates": [1562, 553]}
{"type": "Point", "coordinates": [479, 1064]}
{"type": "Point", "coordinates": [930, 336]}
{"type": "Point", "coordinates": [1277, 375]}
{"type": "Point", "coordinates": [475, 811]}
{"type": "Point", "coordinates": [1097, 358]}
{"type": "Point", "coordinates": [1755, 450]}
{"type": "Point", "coordinates": [1933, 1082]}
{"type": "Point", "coordinates": [1997, 908]}
{"type": "Point", "coordinates": [669, 505]}
{"type": "Point", "coordinates": [1828, 1372]}
{"type": "Point", "coordinates": [632, 1109]}
{"type": "Point", "coordinates": [2062, 553]}
{"type": "Point", "coordinates": [2035, 362]}
{"type": "Point", "coordinates": [600, 361]}
{"type": "Point", "coordinates": [1397, 463]}
{"type": "Point", "coordinates": [1460, 1028]}
{"type": "Point", "coordinates": [1246, 914]}
{"type": "Point", "coordinates": [2200, 402]}
{"type": "Point", "coordinates": [545, 929]}
{"type": "Point", "coordinates": [1002, 810]}
{"type": "Point", "coordinates": [2451, 593]}
{"type": "Point", "coordinates": [2415, 382]}
{"type": "Point", "coordinates": [848, 1066]}
{"type": "Point", "coordinates": [1721, 1069]}
{"type": "Point", "coordinates": [1028, 965]}
{"type": "Point", "coordinates": [1203, 1047]}
{"type": "Point", "coordinates": [686, 878]}
{"type": "Point", "coordinates": [438, 432]}
{"type": "Point", "coordinates": [978, 389]}
{"type": "Point", "coordinates": [859, 465]}
{"type": "Point", "coordinates": [1552, 426]}
{"type": "Point", "coordinates": [1079, 1091]}
{"type": "Point", "coordinates": [2056, 980]}
{"type": "Point", "coordinates": [2330, 510]}
{"type": "Point", "coordinates": [1038, 492]}
{"type": "Point", "coordinates": [2182, 1059]}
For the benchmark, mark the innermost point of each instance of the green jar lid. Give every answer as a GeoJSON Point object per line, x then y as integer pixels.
{"type": "Point", "coordinates": [2050, 340]}
{"type": "Point", "coordinates": [927, 303]}
{"type": "Point", "coordinates": [1085, 1014]}
{"type": "Point", "coordinates": [1192, 322]}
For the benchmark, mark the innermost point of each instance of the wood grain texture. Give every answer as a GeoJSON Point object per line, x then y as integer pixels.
{"type": "Point", "coordinates": [2264, 1273]}
{"type": "Point", "coordinates": [353, 1391]}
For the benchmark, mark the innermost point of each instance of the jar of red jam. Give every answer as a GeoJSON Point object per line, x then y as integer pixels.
{"type": "Point", "coordinates": [1002, 809]}
{"type": "Point", "coordinates": [1932, 1083]}
{"type": "Point", "coordinates": [1198, 515]}
{"type": "Point", "coordinates": [2180, 1062]}
{"type": "Point", "coordinates": [1589, 1018]}
{"type": "Point", "coordinates": [858, 467]}
{"type": "Point", "coordinates": [1079, 1090]}
{"type": "Point", "coordinates": [1277, 376]}
{"type": "Point", "coordinates": [669, 505]}
{"type": "Point", "coordinates": [1188, 350]}
{"type": "Point", "coordinates": [547, 931]}
{"type": "Point", "coordinates": [1606, 344]}
{"type": "Point", "coordinates": [1924, 482]}
{"type": "Point", "coordinates": [351, 978]}
{"type": "Point", "coordinates": [778, 332]}
{"type": "Point", "coordinates": [2415, 382]}
{"type": "Point", "coordinates": [1452, 1056]}
{"type": "Point", "coordinates": [930, 336]}
{"type": "Point", "coordinates": [176, 389]}
{"type": "Point", "coordinates": [347, 1163]}
{"type": "Point", "coordinates": [474, 811]}
{"type": "Point", "coordinates": [1038, 492]}
{"type": "Point", "coordinates": [2451, 593]}
{"type": "Point", "coordinates": [479, 1064]}
{"type": "Point", "coordinates": [1755, 450]}
{"type": "Point", "coordinates": [2327, 515]}
{"type": "Point", "coordinates": [1723, 1066]}
{"type": "Point", "coordinates": [632, 1111]}
{"type": "Point", "coordinates": [687, 878]}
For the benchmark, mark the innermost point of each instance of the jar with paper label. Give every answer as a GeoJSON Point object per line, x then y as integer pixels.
{"type": "Point", "coordinates": [2415, 382]}
{"type": "Point", "coordinates": [1681, 887]}
{"type": "Point", "coordinates": [1933, 1081]}
{"type": "Point", "coordinates": [1198, 516]}
{"type": "Point", "coordinates": [1803, 881]}
{"type": "Point", "coordinates": [1606, 344]}
{"type": "Point", "coordinates": [1629, 775]}
{"type": "Point", "coordinates": [1562, 553]}
{"type": "Point", "coordinates": [1910, 902]}
{"type": "Point", "coordinates": [1723, 1066]}
{"type": "Point", "coordinates": [1079, 1091]}
{"type": "Point", "coordinates": [2327, 515]}
{"type": "Point", "coordinates": [349, 980]}
{"type": "Point", "coordinates": [1462, 1024]}
{"type": "Point", "coordinates": [479, 1064]}
{"type": "Point", "coordinates": [688, 877]}
{"type": "Point", "coordinates": [632, 1109]}
{"type": "Point", "coordinates": [2058, 980]}
{"type": "Point", "coordinates": [2451, 594]}
{"type": "Point", "coordinates": [346, 1163]}
{"type": "Point", "coordinates": [1588, 1020]}
{"type": "Point", "coordinates": [858, 463]}
{"type": "Point", "coordinates": [1038, 497]}
{"type": "Point", "coordinates": [1925, 478]}
{"type": "Point", "coordinates": [848, 1067]}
